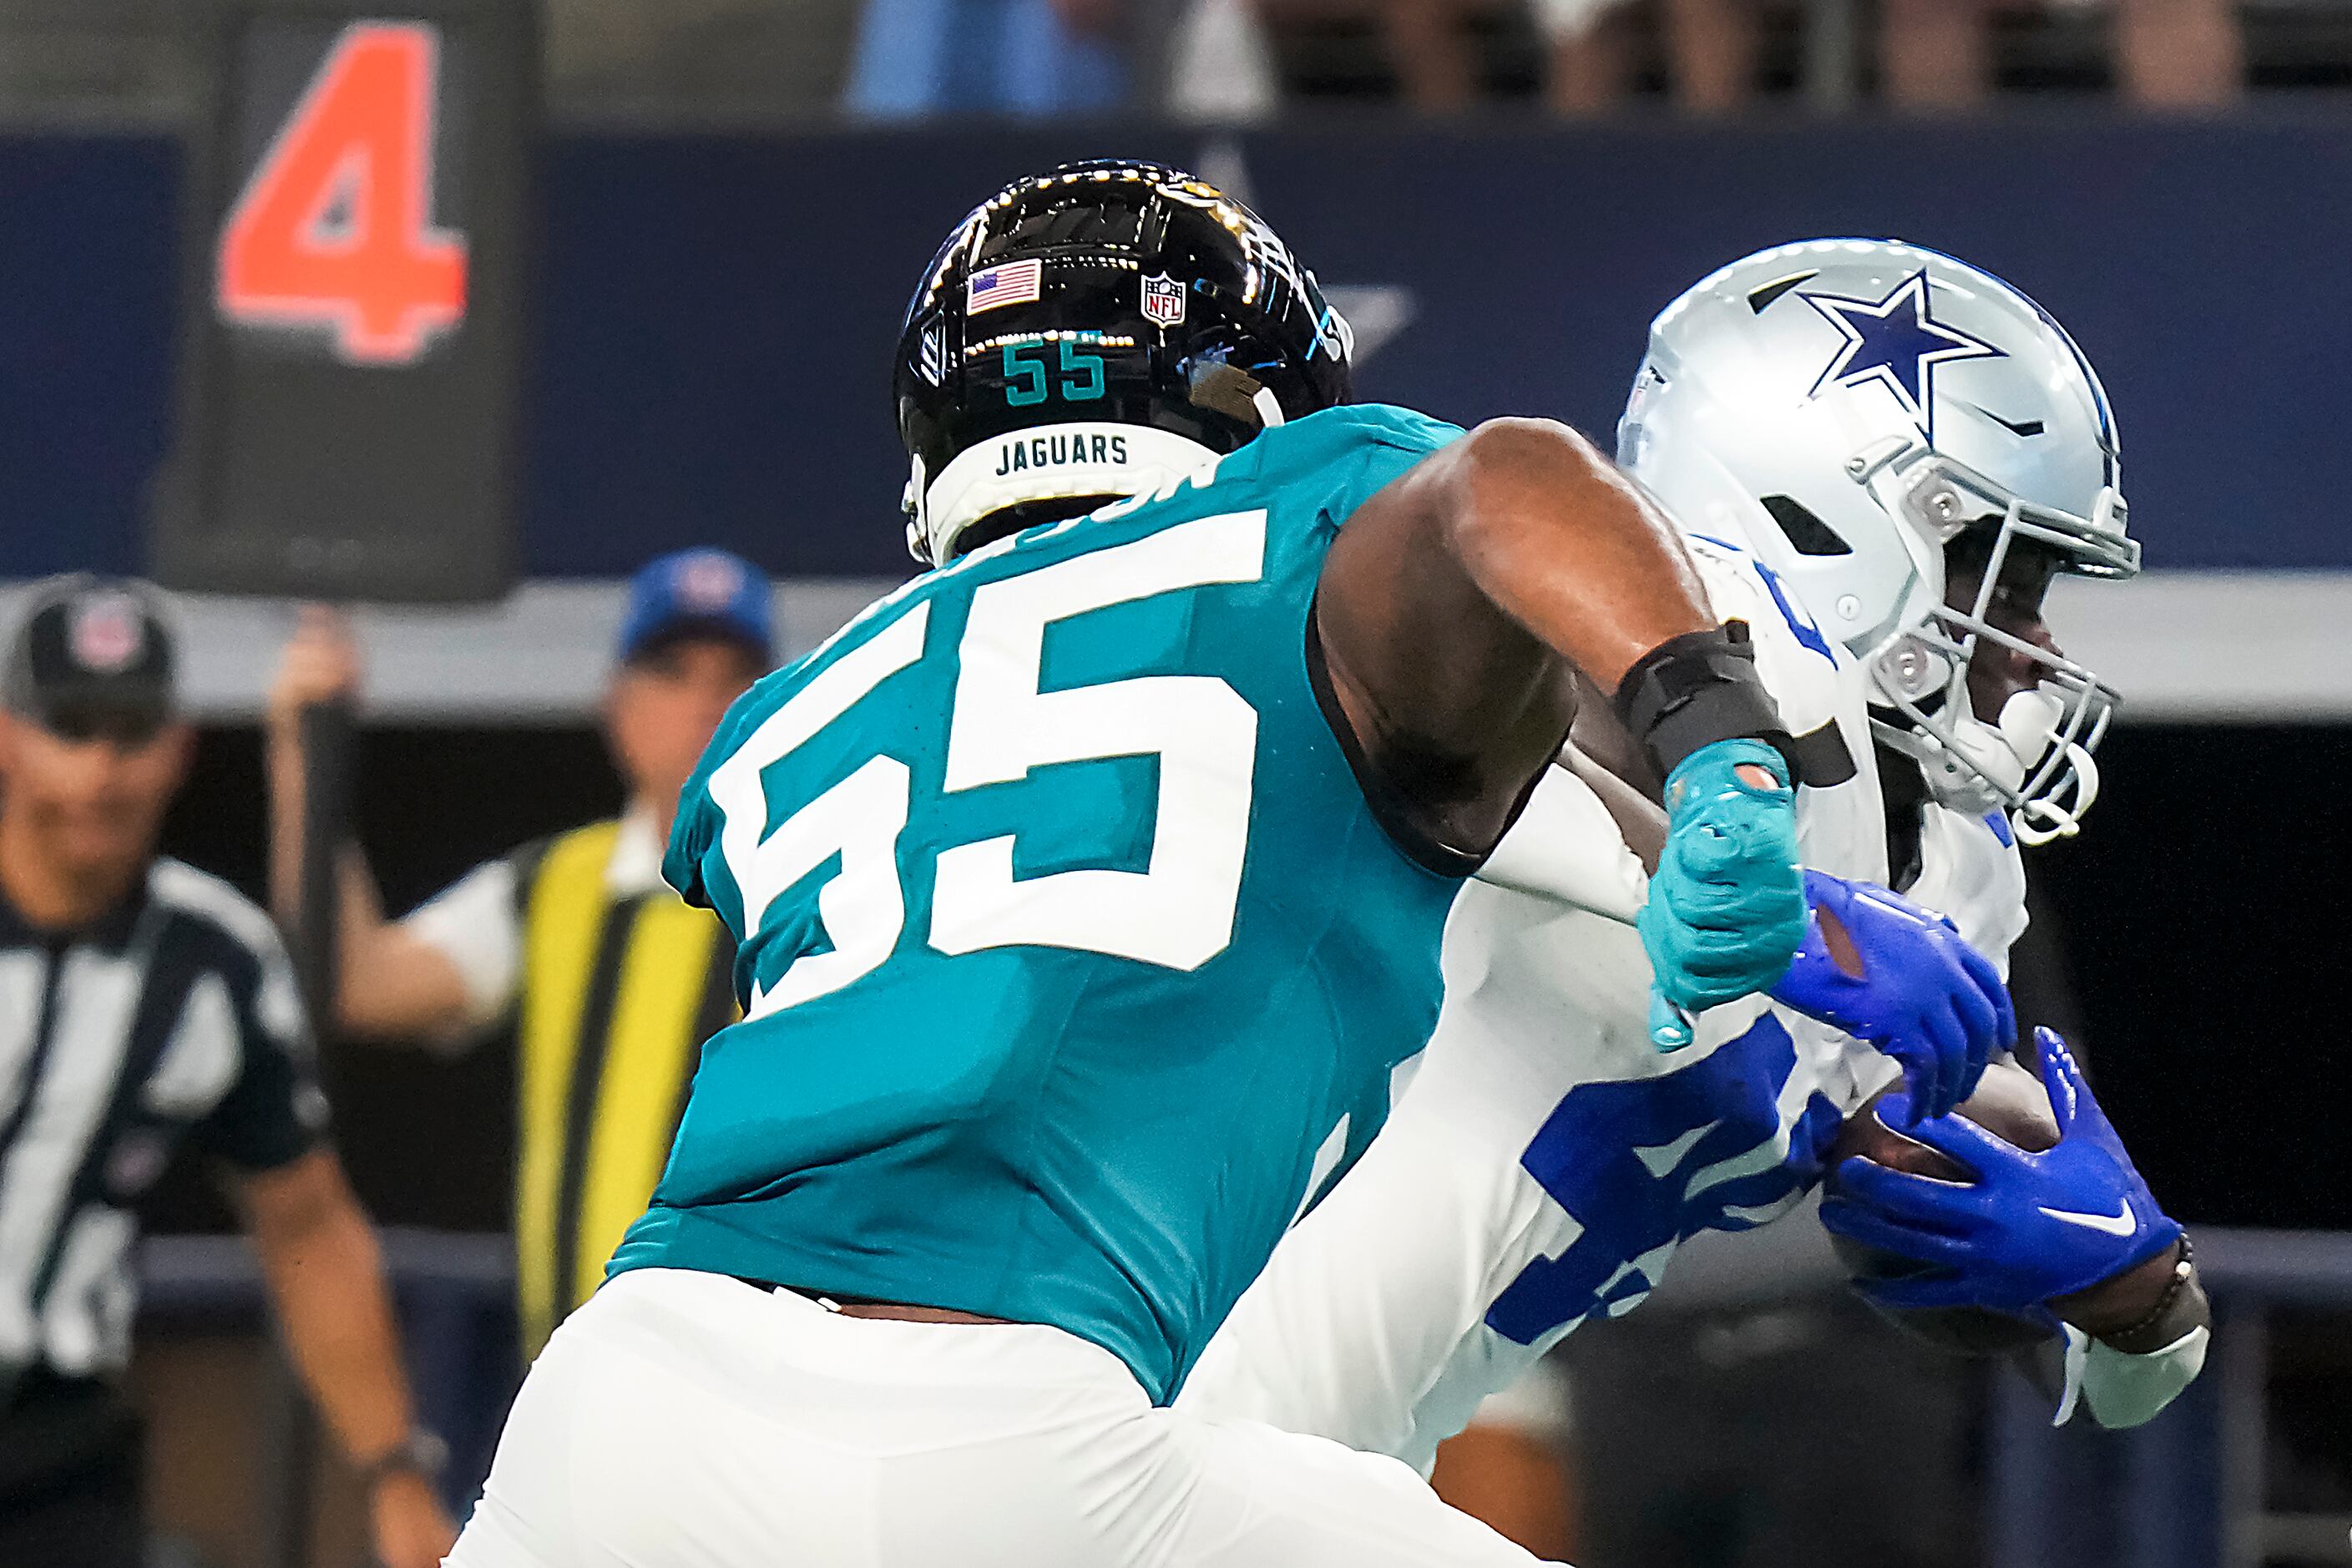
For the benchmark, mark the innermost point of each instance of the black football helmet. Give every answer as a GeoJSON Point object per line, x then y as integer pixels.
{"type": "Point", "coordinates": [1099, 332]}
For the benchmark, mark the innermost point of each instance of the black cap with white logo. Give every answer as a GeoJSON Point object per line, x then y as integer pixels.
{"type": "Point", "coordinates": [92, 656]}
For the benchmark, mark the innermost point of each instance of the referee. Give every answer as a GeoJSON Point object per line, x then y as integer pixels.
{"type": "Point", "coordinates": [612, 980]}
{"type": "Point", "coordinates": [143, 1002]}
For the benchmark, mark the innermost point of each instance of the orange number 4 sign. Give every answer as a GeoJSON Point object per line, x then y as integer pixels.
{"type": "Point", "coordinates": [334, 229]}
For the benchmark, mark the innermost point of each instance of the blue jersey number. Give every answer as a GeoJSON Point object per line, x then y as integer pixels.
{"type": "Point", "coordinates": [1648, 1164]}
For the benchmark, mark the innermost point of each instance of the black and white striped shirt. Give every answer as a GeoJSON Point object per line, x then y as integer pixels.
{"type": "Point", "coordinates": [177, 1016]}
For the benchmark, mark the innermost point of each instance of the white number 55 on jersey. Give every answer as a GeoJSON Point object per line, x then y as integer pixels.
{"type": "Point", "coordinates": [1179, 913]}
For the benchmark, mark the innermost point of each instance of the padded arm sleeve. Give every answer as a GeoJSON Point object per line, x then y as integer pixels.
{"type": "Point", "coordinates": [1565, 848]}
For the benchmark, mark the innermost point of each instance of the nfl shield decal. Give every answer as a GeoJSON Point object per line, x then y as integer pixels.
{"type": "Point", "coordinates": [1163, 300]}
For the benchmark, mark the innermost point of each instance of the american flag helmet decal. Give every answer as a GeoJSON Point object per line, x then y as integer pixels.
{"type": "Point", "coordinates": [1015, 283]}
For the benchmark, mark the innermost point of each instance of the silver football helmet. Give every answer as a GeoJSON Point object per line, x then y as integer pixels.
{"type": "Point", "coordinates": [1849, 407]}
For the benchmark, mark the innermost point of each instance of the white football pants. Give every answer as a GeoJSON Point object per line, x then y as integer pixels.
{"type": "Point", "coordinates": [684, 1420]}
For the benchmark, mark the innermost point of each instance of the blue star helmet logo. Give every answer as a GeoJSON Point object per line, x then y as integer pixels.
{"type": "Point", "coordinates": [1897, 342]}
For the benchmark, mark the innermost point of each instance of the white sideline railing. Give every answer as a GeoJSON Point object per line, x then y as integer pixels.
{"type": "Point", "coordinates": [2218, 646]}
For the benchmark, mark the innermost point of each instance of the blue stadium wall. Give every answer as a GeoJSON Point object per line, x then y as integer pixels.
{"type": "Point", "coordinates": [716, 315]}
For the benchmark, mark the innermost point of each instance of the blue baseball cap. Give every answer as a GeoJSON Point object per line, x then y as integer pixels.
{"type": "Point", "coordinates": [699, 591]}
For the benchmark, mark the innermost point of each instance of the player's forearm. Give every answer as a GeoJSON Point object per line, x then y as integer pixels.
{"type": "Point", "coordinates": [1554, 535]}
{"type": "Point", "coordinates": [325, 1274]}
{"type": "Point", "coordinates": [1458, 607]}
{"type": "Point", "coordinates": [2129, 1356]}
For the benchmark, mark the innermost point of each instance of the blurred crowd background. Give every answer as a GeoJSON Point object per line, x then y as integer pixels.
{"type": "Point", "coordinates": [734, 195]}
{"type": "Point", "coordinates": [1241, 60]}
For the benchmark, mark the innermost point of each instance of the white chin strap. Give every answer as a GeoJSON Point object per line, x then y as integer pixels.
{"type": "Point", "coordinates": [1048, 462]}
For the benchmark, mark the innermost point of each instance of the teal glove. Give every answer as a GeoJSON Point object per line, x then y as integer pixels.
{"type": "Point", "coordinates": [1727, 910]}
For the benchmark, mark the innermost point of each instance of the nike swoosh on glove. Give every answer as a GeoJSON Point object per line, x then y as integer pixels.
{"type": "Point", "coordinates": [1727, 907]}
{"type": "Point", "coordinates": [2026, 1229]}
{"type": "Point", "coordinates": [1924, 996]}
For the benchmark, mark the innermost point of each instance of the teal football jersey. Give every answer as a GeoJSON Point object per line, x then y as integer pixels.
{"type": "Point", "coordinates": [1072, 957]}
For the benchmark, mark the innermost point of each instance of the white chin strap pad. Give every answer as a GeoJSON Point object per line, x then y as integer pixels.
{"type": "Point", "coordinates": [1052, 462]}
{"type": "Point", "coordinates": [2029, 722]}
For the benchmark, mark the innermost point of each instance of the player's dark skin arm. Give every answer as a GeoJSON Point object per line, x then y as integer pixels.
{"type": "Point", "coordinates": [1457, 606]}
{"type": "Point", "coordinates": [2124, 1301]}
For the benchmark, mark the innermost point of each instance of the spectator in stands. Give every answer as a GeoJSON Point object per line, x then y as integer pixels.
{"type": "Point", "coordinates": [1425, 42]}
{"type": "Point", "coordinates": [143, 1002]}
{"type": "Point", "coordinates": [1218, 64]}
{"type": "Point", "coordinates": [1932, 54]}
{"type": "Point", "coordinates": [2169, 53]}
{"type": "Point", "coordinates": [1028, 57]}
{"type": "Point", "coordinates": [1710, 51]}
{"type": "Point", "coordinates": [613, 981]}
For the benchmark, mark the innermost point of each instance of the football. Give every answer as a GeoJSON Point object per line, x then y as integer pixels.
{"type": "Point", "coordinates": [2010, 1103]}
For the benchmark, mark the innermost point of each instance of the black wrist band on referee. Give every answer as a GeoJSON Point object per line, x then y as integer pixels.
{"type": "Point", "coordinates": [1696, 689]}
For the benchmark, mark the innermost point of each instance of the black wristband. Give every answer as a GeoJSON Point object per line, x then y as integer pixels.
{"type": "Point", "coordinates": [1696, 689]}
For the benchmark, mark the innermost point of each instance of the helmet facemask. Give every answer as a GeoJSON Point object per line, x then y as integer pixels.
{"type": "Point", "coordinates": [2034, 760]}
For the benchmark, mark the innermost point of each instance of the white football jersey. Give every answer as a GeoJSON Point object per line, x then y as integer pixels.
{"type": "Point", "coordinates": [1970, 871]}
{"type": "Point", "coordinates": [1547, 1160]}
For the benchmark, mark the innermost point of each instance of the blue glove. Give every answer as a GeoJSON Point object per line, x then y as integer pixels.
{"type": "Point", "coordinates": [1727, 906]}
{"type": "Point", "coordinates": [2027, 1228]}
{"type": "Point", "coordinates": [1925, 997]}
